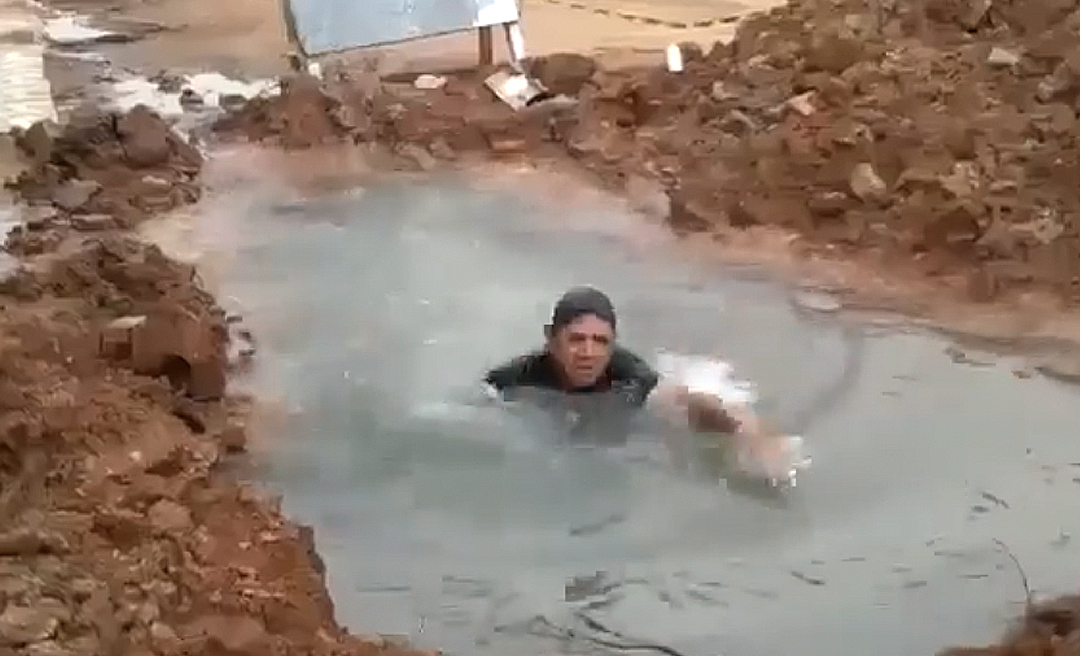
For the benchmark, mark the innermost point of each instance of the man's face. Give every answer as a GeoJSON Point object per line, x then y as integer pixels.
{"type": "Point", "coordinates": [583, 349]}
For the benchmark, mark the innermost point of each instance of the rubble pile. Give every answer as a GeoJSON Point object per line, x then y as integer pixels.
{"type": "Point", "coordinates": [302, 115]}
{"type": "Point", "coordinates": [101, 171]}
{"type": "Point", "coordinates": [119, 531]}
{"type": "Point", "coordinates": [941, 133]}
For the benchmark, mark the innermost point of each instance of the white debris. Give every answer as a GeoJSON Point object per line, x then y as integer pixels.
{"type": "Point", "coordinates": [71, 29]}
{"type": "Point", "coordinates": [674, 58]}
{"type": "Point", "coordinates": [429, 82]}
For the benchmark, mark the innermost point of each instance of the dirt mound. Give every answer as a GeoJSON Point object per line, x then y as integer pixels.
{"type": "Point", "coordinates": [104, 170]}
{"type": "Point", "coordinates": [1049, 629]}
{"type": "Point", "coordinates": [303, 115]}
{"type": "Point", "coordinates": [119, 532]}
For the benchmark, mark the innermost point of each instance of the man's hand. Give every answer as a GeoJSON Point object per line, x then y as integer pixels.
{"type": "Point", "coordinates": [705, 413]}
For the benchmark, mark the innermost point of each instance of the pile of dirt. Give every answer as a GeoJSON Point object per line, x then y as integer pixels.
{"type": "Point", "coordinates": [120, 533]}
{"type": "Point", "coordinates": [301, 116]}
{"type": "Point", "coordinates": [101, 171]}
{"type": "Point", "coordinates": [1048, 629]}
{"type": "Point", "coordinates": [939, 134]}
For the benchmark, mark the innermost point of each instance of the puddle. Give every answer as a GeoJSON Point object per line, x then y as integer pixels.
{"type": "Point", "coordinates": [459, 527]}
{"type": "Point", "coordinates": [25, 95]}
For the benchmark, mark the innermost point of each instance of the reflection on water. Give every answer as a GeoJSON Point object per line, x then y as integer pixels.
{"type": "Point", "coordinates": [459, 523]}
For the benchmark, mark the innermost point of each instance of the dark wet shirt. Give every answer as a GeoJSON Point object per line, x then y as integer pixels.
{"type": "Point", "coordinates": [602, 413]}
{"type": "Point", "coordinates": [627, 376]}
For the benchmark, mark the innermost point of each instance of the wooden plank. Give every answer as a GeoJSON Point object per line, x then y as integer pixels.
{"type": "Point", "coordinates": [487, 46]}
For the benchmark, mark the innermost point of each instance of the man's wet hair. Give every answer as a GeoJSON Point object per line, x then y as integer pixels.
{"type": "Point", "coordinates": [579, 302]}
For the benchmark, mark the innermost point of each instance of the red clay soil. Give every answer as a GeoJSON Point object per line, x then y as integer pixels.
{"type": "Point", "coordinates": [119, 531]}
{"type": "Point", "coordinates": [935, 136]}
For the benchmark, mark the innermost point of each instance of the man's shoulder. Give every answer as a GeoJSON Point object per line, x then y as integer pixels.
{"type": "Point", "coordinates": [516, 371]}
{"type": "Point", "coordinates": [632, 375]}
{"type": "Point", "coordinates": [627, 364]}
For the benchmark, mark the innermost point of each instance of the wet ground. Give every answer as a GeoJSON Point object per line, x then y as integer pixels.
{"type": "Point", "coordinates": [378, 306]}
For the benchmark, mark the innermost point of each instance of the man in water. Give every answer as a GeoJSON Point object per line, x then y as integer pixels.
{"type": "Point", "coordinates": [581, 357]}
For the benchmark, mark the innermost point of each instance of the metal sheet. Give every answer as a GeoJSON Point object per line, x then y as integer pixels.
{"type": "Point", "coordinates": [323, 26]}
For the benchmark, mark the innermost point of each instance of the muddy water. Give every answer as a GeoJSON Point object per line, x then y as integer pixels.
{"type": "Point", "coordinates": [377, 307]}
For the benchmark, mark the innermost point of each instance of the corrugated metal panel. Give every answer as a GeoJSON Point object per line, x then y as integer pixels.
{"type": "Point", "coordinates": [324, 26]}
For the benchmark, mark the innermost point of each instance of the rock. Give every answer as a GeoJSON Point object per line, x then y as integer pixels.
{"type": "Point", "coordinates": [833, 49]}
{"type": "Point", "coordinates": [563, 73]}
{"type": "Point", "coordinates": [190, 100]}
{"type": "Point", "coordinates": [167, 82]}
{"type": "Point", "coordinates": [75, 193]}
{"type": "Point", "coordinates": [962, 182]}
{"type": "Point", "coordinates": [169, 517]}
{"type": "Point", "coordinates": [1063, 369]}
{"type": "Point", "coordinates": [983, 286]}
{"type": "Point", "coordinates": [232, 634]}
{"type": "Point", "coordinates": [1001, 57]}
{"type": "Point", "coordinates": [866, 184]}
{"type": "Point", "coordinates": [48, 648]}
{"type": "Point", "coordinates": [145, 137]}
{"type": "Point", "coordinates": [233, 438]}
{"type": "Point", "coordinates": [803, 103]}
{"type": "Point", "coordinates": [720, 92]}
{"type": "Point", "coordinates": [816, 301]}
{"type": "Point", "coordinates": [975, 12]}
{"type": "Point", "coordinates": [505, 145]}
{"type": "Point", "coordinates": [418, 155]}
{"type": "Point", "coordinates": [38, 140]}
{"type": "Point", "coordinates": [738, 123]}
{"type": "Point", "coordinates": [29, 542]}
{"type": "Point", "coordinates": [1055, 85]}
{"type": "Point", "coordinates": [94, 222]}
{"type": "Point", "coordinates": [689, 212]}
{"type": "Point", "coordinates": [164, 639]}
{"type": "Point", "coordinates": [231, 102]}
{"type": "Point", "coordinates": [1043, 230]}
{"type": "Point", "coordinates": [23, 625]}
{"type": "Point", "coordinates": [442, 149]}
{"type": "Point", "coordinates": [155, 183]}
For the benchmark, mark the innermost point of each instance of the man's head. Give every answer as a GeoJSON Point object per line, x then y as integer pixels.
{"type": "Point", "coordinates": [581, 335]}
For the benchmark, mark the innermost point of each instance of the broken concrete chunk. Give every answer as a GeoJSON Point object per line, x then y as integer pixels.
{"type": "Point", "coordinates": [720, 92]}
{"type": "Point", "coordinates": [1055, 85]}
{"type": "Point", "coordinates": [190, 100]}
{"type": "Point", "coordinates": [418, 155]}
{"type": "Point", "coordinates": [28, 542]}
{"type": "Point", "coordinates": [963, 181]}
{"type": "Point", "coordinates": [1001, 57]}
{"type": "Point", "coordinates": [803, 103]}
{"type": "Point", "coordinates": [37, 142]}
{"type": "Point", "coordinates": [144, 136]}
{"type": "Point", "coordinates": [74, 194]}
{"type": "Point", "coordinates": [23, 625]}
{"type": "Point", "coordinates": [93, 222]}
{"type": "Point", "coordinates": [233, 438]}
{"type": "Point", "coordinates": [866, 184]}
{"type": "Point", "coordinates": [974, 13]}
{"type": "Point", "coordinates": [738, 123]}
